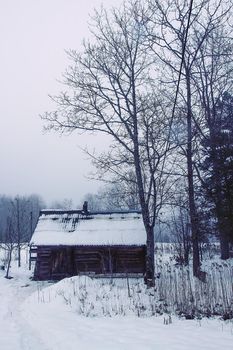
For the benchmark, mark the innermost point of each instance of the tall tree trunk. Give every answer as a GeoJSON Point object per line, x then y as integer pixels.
{"type": "Point", "coordinates": [150, 265]}
{"type": "Point", "coordinates": [19, 254]}
{"type": "Point", "coordinates": [18, 234]}
{"type": "Point", "coordinates": [192, 205]}
{"type": "Point", "coordinates": [223, 235]}
{"type": "Point", "coordinates": [9, 261]}
{"type": "Point", "coordinates": [224, 239]}
{"type": "Point", "coordinates": [224, 246]}
{"type": "Point", "coordinates": [150, 260]}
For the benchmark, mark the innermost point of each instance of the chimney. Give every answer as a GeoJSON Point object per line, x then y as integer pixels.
{"type": "Point", "coordinates": [85, 207]}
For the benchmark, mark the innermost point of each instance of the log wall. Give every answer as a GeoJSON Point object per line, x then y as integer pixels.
{"type": "Point", "coordinates": [55, 263]}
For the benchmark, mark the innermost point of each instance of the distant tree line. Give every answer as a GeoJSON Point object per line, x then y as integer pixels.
{"type": "Point", "coordinates": [18, 219]}
{"type": "Point", "coordinates": [115, 196]}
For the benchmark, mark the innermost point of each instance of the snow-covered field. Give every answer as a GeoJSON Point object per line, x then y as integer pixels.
{"type": "Point", "coordinates": [81, 313]}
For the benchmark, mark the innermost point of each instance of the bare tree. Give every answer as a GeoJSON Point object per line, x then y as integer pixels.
{"type": "Point", "coordinates": [8, 244]}
{"type": "Point", "coordinates": [112, 91]}
{"type": "Point", "coordinates": [213, 79]}
{"type": "Point", "coordinates": [18, 219]}
{"type": "Point", "coordinates": [63, 204]}
{"type": "Point", "coordinates": [122, 195]}
{"type": "Point", "coordinates": [180, 228]}
{"type": "Point", "coordinates": [116, 195]}
{"type": "Point", "coordinates": [177, 31]}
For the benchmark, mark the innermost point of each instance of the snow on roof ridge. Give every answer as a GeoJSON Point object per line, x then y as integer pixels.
{"type": "Point", "coordinates": [60, 211]}
{"type": "Point", "coordinates": [80, 211]}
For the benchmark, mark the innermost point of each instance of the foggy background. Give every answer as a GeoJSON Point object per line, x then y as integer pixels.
{"type": "Point", "coordinates": [34, 36]}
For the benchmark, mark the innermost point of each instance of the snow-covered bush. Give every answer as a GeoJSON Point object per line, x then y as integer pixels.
{"type": "Point", "coordinates": [176, 291]}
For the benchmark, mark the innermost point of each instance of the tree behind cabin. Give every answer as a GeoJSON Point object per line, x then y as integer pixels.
{"type": "Point", "coordinates": [218, 168]}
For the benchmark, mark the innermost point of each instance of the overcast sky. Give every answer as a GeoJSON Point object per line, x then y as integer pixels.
{"type": "Point", "coordinates": [33, 37]}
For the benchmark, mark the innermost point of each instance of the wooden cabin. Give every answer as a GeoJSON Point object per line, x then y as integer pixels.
{"type": "Point", "coordinates": [73, 242]}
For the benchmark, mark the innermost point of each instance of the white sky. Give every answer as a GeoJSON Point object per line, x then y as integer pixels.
{"type": "Point", "coordinates": [33, 37]}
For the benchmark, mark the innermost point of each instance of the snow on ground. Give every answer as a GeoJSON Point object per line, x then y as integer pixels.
{"type": "Point", "coordinates": [16, 332]}
{"type": "Point", "coordinates": [60, 326]}
{"type": "Point", "coordinates": [60, 329]}
{"type": "Point", "coordinates": [44, 316]}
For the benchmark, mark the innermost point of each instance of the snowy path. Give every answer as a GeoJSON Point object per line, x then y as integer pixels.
{"type": "Point", "coordinates": [16, 332]}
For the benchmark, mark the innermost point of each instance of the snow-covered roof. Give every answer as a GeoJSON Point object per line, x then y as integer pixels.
{"type": "Point", "coordinates": [74, 228]}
